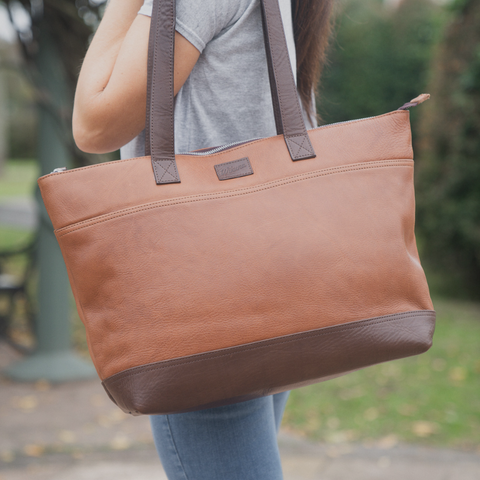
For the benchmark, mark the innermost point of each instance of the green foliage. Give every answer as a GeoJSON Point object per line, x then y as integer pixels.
{"type": "Point", "coordinates": [382, 57]}
{"type": "Point", "coordinates": [22, 116]}
{"type": "Point", "coordinates": [379, 57]}
{"type": "Point", "coordinates": [431, 399]}
{"type": "Point", "coordinates": [71, 25]}
{"type": "Point", "coordinates": [448, 170]}
{"type": "Point", "coordinates": [458, 5]}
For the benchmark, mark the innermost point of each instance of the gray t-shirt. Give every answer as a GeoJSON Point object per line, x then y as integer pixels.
{"type": "Point", "coordinates": [227, 97]}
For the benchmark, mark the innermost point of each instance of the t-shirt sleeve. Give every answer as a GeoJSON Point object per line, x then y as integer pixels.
{"type": "Point", "coordinates": [199, 21]}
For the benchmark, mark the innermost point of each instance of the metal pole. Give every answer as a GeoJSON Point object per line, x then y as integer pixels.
{"type": "Point", "coordinates": [53, 360]}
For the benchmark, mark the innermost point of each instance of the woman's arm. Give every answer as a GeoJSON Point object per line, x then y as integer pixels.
{"type": "Point", "coordinates": [110, 100]}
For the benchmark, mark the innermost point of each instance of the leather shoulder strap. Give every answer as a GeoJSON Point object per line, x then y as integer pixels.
{"type": "Point", "coordinates": [159, 126]}
{"type": "Point", "coordinates": [159, 138]}
{"type": "Point", "coordinates": [288, 114]}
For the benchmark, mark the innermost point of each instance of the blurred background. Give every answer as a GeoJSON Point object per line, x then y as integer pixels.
{"type": "Point", "coordinates": [383, 53]}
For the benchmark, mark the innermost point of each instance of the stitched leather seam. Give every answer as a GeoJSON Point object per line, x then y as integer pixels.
{"type": "Point", "coordinates": [122, 376]}
{"type": "Point", "coordinates": [265, 343]}
{"type": "Point", "coordinates": [324, 127]}
{"type": "Point", "coordinates": [297, 106]}
{"type": "Point", "coordinates": [152, 99]}
{"type": "Point", "coordinates": [271, 75]}
{"type": "Point", "coordinates": [234, 193]}
{"type": "Point", "coordinates": [153, 90]}
{"type": "Point", "coordinates": [156, 164]}
{"type": "Point", "coordinates": [278, 102]}
{"type": "Point", "coordinates": [157, 167]}
{"type": "Point", "coordinates": [276, 74]}
{"type": "Point", "coordinates": [300, 146]}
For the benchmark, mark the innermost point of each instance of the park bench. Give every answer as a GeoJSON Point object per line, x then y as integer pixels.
{"type": "Point", "coordinates": [17, 317]}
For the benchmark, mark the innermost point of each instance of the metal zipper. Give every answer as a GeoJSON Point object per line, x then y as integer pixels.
{"type": "Point", "coordinates": [221, 148]}
{"type": "Point", "coordinates": [211, 151]}
{"type": "Point", "coordinates": [230, 145]}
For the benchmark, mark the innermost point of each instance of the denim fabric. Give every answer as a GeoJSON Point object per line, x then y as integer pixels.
{"type": "Point", "coordinates": [235, 442]}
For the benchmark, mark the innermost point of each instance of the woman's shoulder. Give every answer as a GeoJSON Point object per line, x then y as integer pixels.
{"type": "Point", "coordinates": [202, 20]}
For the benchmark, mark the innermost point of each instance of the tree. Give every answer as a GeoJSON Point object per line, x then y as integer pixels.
{"type": "Point", "coordinates": [53, 48]}
{"type": "Point", "coordinates": [70, 24]}
{"type": "Point", "coordinates": [3, 115]}
{"type": "Point", "coordinates": [379, 58]}
{"type": "Point", "coordinates": [448, 173]}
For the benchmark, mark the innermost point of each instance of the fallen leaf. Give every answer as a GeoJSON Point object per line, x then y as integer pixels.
{"type": "Point", "coordinates": [457, 374]}
{"type": "Point", "coordinates": [112, 418]}
{"type": "Point", "coordinates": [314, 422]}
{"type": "Point", "coordinates": [424, 429]}
{"type": "Point", "coordinates": [7, 456]}
{"type": "Point", "coordinates": [388, 442]}
{"type": "Point", "coordinates": [67, 436]}
{"type": "Point", "coordinates": [33, 450]}
{"type": "Point", "coordinates": [120, 442]}
{"type": "Point", "coordinates": [28, 402]}
{"type": "Point", "coordinates": [371, 414]}
{"type": "Point", "coordinates": [43, 385]}
{"type": "Point", "coordinates": [118, 416]}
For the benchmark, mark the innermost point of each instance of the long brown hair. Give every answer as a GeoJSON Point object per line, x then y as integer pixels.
{"type": "Point", "coordinates": [311, 29]}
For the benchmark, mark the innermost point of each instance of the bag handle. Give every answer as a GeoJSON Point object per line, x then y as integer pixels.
{"type": "Point", "coordinates": [159, 132]}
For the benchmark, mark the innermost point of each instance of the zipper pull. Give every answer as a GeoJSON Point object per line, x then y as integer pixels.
{"type": "Point", "coordinates": [416, 101]}
{"type": "Point", "coordinates": [61, 169]}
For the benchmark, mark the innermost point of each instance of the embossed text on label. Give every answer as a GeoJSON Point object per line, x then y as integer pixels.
{"type": "Point", "coordinates": [234, 169]}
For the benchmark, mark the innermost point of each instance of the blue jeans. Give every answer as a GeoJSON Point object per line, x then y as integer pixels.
{"type": "Point", "coordinates": [235, 442]}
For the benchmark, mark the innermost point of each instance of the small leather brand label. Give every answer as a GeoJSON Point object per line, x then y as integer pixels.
{"type": "Point", "coordinates": [235, 169]}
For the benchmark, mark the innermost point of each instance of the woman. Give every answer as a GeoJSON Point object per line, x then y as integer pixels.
{"type": "Point", "coordinates": [222, 96]}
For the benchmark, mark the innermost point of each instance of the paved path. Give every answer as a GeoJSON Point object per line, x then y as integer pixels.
{"type": "Point", "coordinates": [72, 431]}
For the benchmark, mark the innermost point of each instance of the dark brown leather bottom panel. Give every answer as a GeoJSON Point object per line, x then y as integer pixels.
{"type": "Point", "coordinates": [270, 366]}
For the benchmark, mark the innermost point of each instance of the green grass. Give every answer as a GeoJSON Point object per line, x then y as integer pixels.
{"type": "Point", "coordinates": [18, 178]}
{"type": "Point", "coordinates": [431, 399]}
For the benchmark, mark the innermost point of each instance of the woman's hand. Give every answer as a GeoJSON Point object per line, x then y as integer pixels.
{"type": "Point", "coordinates": [110, 99]}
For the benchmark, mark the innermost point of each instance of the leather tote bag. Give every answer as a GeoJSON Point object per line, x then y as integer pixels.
{"type": "Point", "coordinates": [244, 270]}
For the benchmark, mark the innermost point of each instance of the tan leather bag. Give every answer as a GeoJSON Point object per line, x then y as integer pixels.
{"type": "Point", "coordinates": [249, 269]}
